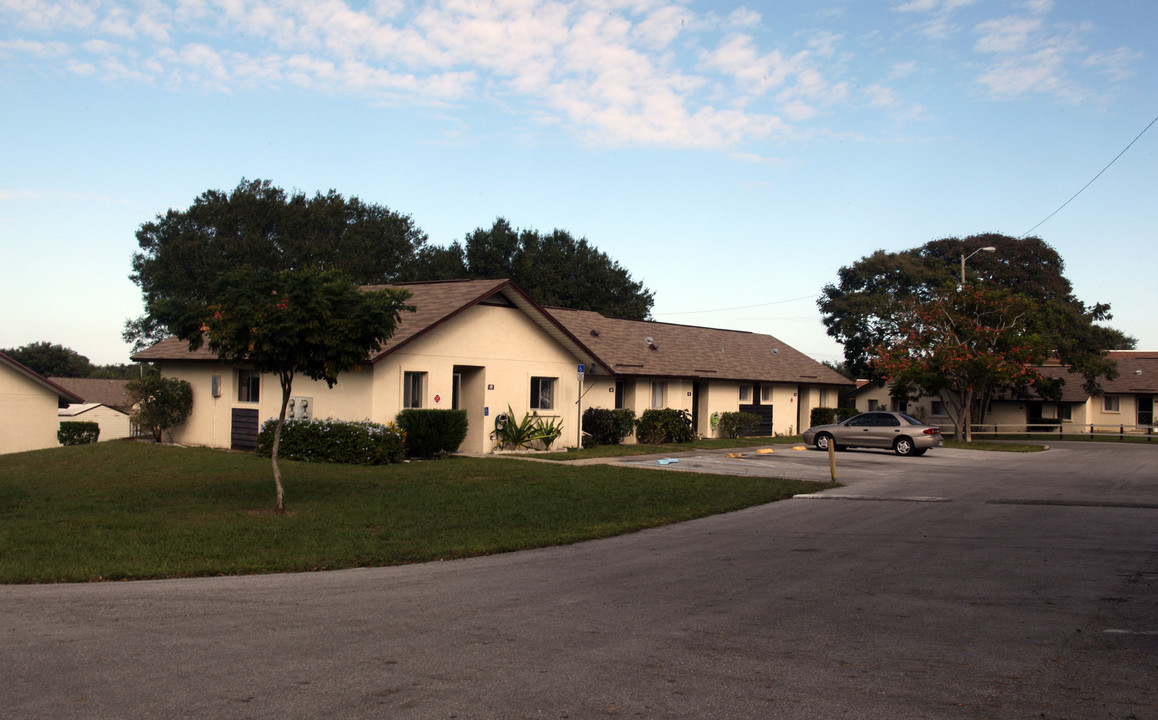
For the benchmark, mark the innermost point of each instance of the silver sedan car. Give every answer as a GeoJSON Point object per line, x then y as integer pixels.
{"type": "Point", "coordinates": [903, 434]}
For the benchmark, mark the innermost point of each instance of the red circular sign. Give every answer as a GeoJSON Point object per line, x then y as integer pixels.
{"type": "Point", "coordinates": [437, 398]}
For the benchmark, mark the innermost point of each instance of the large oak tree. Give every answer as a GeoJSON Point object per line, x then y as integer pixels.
{"type": "Point", "coordinates": [874, 296]}
{"type": "Point", "coordinates": [260, 226]}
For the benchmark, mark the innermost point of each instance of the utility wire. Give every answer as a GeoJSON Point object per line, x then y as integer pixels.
{"type": "Point", "coordinates": [1091, 182]}
{"type": "Point", "coordinates": [742, 307]}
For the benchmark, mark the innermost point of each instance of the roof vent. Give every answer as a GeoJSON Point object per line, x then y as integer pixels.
{"type": "Point", "coordinates": [594, 332]}
{"type": "Point", "coordinates": [775, 351]}
{"type": "Point", "coordinates": [653, 346]}
{"type": "Point", "coordinates": [1137, 372]}
{"type": "Point", "coordinates": [648, 340]}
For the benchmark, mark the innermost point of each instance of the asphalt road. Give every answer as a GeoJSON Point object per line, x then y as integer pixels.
{"type": "Point", "coordinates": [963, 584]}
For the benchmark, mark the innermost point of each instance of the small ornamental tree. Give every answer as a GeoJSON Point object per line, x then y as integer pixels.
{"type": "Point", "coordinates": [964, 346]}
{"type": "Point", "coordinates": [159, 403]}
{"type": "Point", "coordinates": [307, 322]}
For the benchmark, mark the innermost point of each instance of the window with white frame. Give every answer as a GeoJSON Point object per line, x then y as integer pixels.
{"type": "Point", "coordinates": [745, 393]}
{"type": "Point", "coordinates": [542, 393]}
{"type": "Point", "coordinates": [248, 386]}
{"type": "Point", "coordinates": [1113, 403]}
{"type": "Point", "coordinates": [658, 390]}
{"type": "Point", "coordinates": [765, 393]}
{"type": "Point", "coordinates": [412, 383]}
{"type": "Point", "coordinates": [937, 408]}
{"type": "Point", "coordinates": [1065, 412]}
{"type": "Point", "coordinates": [874, 405]}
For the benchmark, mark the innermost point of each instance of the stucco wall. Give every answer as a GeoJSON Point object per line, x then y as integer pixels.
{"type": "Point", "coordinates": [497, 350]}
{"type": "Point", "coordinates": [209, 423]}
{"type": "Point", "coordinates": [28, 418]}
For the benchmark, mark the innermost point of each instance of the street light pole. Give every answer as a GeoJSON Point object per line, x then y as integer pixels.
{"type": "Point", "coordinates": [965, 257]}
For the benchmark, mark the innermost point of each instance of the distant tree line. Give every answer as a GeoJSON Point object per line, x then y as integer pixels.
{"type": "Point", "coordinates": [53, 360]}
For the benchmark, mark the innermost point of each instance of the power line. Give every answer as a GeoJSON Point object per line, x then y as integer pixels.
{"type": "Point", "coordinates": [742, 307]}
{"type": "Point", "coordinates": [1091, 182]}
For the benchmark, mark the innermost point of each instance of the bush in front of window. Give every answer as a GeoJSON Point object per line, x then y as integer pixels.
{"type": "Point", "coordinates": [335, 441]}
{"type": "Point", "coordinates": [75, 432]}
{"type": "Point", "coordinates": [602, 426]}
{"type": "Point", "coordinates": [432, 433]}
{"type": "Point", "coordinates": [666, 425]}
{"type": "Point", "coordinates": [828, 416]}
{"type": "Point", "coordinates": [735, 424]}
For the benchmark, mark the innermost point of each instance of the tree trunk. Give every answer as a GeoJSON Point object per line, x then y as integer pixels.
{"type": "Point", "coordinates": [967, 415]}
{"type": "Point", "coordinates": [286, 385]}
{"type": "Point", "coordinates": [962, 405]}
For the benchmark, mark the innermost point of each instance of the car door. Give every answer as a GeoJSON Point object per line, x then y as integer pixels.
{"type": "Point", "coordinates": [857, 431]}
{"type": "Point", "coordinates": [885, 430]}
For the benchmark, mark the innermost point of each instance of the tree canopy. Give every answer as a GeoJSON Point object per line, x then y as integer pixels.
{"type": "Point", "coordinates": [293, 322]}
{"type": "Point", "coordinates": [51, 360]}
{"type": "Point", "coordinates": [966, 345]}
{"type": "Point", "coordinates": [553, 268]}
{"type": "Point", "coordinates": [873, 296]}
{"type": "Point", "coordinates": [257, 225]}
{"type": "Point", "coordinates": [160, 403]}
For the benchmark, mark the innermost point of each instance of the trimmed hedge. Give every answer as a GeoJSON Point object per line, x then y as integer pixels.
{"type": "Point", "coordinates": [656, 427]}
{"type": "Point", "coordinates": [607, 427]}
{"type": "Point", "coordinates": [735, 424]}
{"type": "Point", "coordinates": [828, 416]}
{"type": "Point", "coordinates": [335, 441]}
{"type": "Point", "coordinates": [432, 433]}
{"type": "Point", "coordinates": [77, 432]}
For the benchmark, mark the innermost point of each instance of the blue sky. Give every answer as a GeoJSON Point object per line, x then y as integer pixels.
{"type": "Point", "coordinates": [731, 156]}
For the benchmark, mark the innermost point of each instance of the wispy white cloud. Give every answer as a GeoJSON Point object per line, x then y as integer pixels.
{"type": "Point", "coordinates": [1029, 54]}
{"type": "Point", "coordinates": [935, 18]}
{"type": "Point", "coordinates": [1117, 64]}
{"type": "Point", "coordinates": [612, 71]}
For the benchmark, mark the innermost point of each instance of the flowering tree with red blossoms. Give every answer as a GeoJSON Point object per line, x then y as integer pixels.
{"type": "Point", "coordinates": [965, 345]}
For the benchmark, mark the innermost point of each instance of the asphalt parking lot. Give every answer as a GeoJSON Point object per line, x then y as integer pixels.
{"type": "Point", "coordinates": [963, 584]}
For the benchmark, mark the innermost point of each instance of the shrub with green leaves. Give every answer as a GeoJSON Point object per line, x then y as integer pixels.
{"type": "Point", "coordinates": [602, 426]}
{"type": "Point", "coordinates": [335, 441]}
{"type": "Point", "coordinates": [736, 424]}
{"type": "Point", "coordinates": [828, 416]}
{"type": "Point", "coordinates": [432, 433]}
{"type": "Point", "coordinates": [666, 425]}
{"type": "Point", "coordinates": [523, 434]}
{"type": "Point", "coordinates": [76, 432]}
{"type": "Point", "coordinates": [159, 403]}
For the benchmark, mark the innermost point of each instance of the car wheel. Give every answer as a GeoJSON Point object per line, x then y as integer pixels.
{"type": "Point", "coordinates": [904, 446]}
{"type": "Point", "coordinates": [822, 441]}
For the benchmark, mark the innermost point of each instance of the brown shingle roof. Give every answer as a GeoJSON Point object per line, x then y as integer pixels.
{"type": "Point", "coordinates": [617, 345]}
{"type": "Point", "coordinates": [97, 390]}
{"type": "Point", "coordinates": [1137, 374]}
{"type": "Point", "coordinates": [434, 304]}
{"type": "Point", "coordinates": [633, 347]}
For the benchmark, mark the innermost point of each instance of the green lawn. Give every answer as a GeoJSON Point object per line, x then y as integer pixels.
{"type": "Point", "coordinates": [127, 510]}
